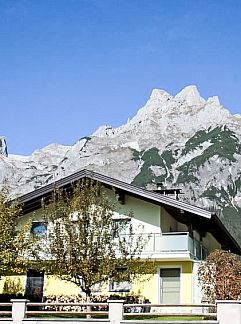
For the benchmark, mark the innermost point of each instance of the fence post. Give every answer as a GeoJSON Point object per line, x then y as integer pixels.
{"type": "Point", "coordinates": [116, 311]}
{"type": "Point", "coordinates": [229, 311]}
{"type": "Point", "coordinates": [18, 309]}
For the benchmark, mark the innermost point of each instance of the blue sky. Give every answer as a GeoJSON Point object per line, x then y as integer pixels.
{"type": "Point", "coordinates": [68, 66]}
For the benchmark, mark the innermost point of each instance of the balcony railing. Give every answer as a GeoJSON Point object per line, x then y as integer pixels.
{"type": "Point", "coordinates": [165, 243]}
{"type": "Point", "coordinates": [173, 242]}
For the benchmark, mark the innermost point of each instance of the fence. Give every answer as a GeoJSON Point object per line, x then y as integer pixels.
{"type": "Point", "coordinates": [115, 312]}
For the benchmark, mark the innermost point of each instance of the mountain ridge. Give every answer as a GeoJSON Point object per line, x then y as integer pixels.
{"type": "Point", "coordinates": [183, 141]}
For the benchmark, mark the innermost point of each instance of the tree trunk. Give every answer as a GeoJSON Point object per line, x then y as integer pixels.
{"type": "Point", "coordinates": [88, 301]}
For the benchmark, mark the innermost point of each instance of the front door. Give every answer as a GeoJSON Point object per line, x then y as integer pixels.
{"type": "Point", "coordinates": [170, 285]}
{"type": "Point", "coordinates": [34, 285]}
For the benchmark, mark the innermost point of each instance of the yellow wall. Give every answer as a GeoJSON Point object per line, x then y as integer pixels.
{"type": "Point", "coordinates": [15, 279]}
{"type": "Point", "coordinates": [56, 286]}
{"type": "Point", "coordinates": [52, 285]}
{"type": "Point", "coordinates": [148, 286]}
{"type": "Point", "coordinates": [151, 288]}
{"type": "Point", "coordinates": [143, 212]}
{"type": "Point", "coordinates": [33, 216]}
{"type": "Point", "coordinates": [153, 218]}
{"type": "Point", "coordinates": [169, 224]}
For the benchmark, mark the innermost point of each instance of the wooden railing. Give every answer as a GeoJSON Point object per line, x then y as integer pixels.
{"type": "Point", "coordinates": [103, 310]}
{"type": "Point", "coordinates": [116, 312]}
{"type": "Point", "coordinates": [129, 310]}
{"type": "Point", "coordinates": [228, 311]}
{"type": "Point", "coordinates": [72, 309]}
{"type": "Point", "coordinates": [201, 310]}
{"type": "Point", "coordinates": [3, 311]}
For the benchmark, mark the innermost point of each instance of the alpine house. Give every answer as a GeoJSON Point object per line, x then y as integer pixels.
{"type": "Point", "coordinates": [180, 236]}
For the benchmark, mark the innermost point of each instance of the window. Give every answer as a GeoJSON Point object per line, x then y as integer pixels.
{"type": "Point", "coordinates": [123, 285]}
{"type": "Point", "coordinates": [122, 225]}
{"type": "Point", "coordinates": [39, 229]}
{"type": "Point", "coordinates": [96, 288]}
{"type": "Point", "coordinates": [170, 285]}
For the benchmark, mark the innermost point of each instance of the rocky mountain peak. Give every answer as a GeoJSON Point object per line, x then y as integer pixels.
{"type": "Point", "coordinates": [214, 100]}
{"type": "Point", "coordinates": [155, 103]}
{"type": "Point", "coordinates": [167, 115]}
{"type": "Point", "coordinates": [158, 94]}
{"type": "Point", "coordinates": [191, 96]}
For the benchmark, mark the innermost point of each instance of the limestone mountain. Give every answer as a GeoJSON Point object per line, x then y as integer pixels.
{"type": "Point", "coordinates": [181, 141]}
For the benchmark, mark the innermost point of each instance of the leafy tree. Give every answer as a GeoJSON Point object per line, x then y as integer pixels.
{"type": "Point", "coordinates": [85, 245]}
{"type": "Point", "coordinates": [220, 276]}
{"type": "Point", "coordinates": [14, 245]}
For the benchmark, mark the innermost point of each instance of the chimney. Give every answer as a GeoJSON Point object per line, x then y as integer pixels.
{"type": "Point", "coordinates": [175, 192]}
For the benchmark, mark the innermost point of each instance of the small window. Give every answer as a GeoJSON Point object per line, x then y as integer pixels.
{"type": "Point", "coordinates": [96, 288]}
{"type": "Point", "coordinates": [122, 225]}
{"type": "Point", "coordinates": [39, 228]}
{"type": "Point", "coordinates": [123, 286]}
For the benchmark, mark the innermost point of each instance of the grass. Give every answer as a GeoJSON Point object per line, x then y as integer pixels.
{"type": "Point", "coordinates": [165, 318]}
{"type": "Point", "coordinates": [126, 317]}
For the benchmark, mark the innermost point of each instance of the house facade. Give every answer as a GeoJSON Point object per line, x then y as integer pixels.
{"type": "Point", "coordinates": [179, 236]}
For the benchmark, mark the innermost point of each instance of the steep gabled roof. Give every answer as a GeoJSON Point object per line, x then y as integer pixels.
{"type": "Point", "coordinates": [203, 219]}
{"type": "Point", "coordinates": [128, 188]}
